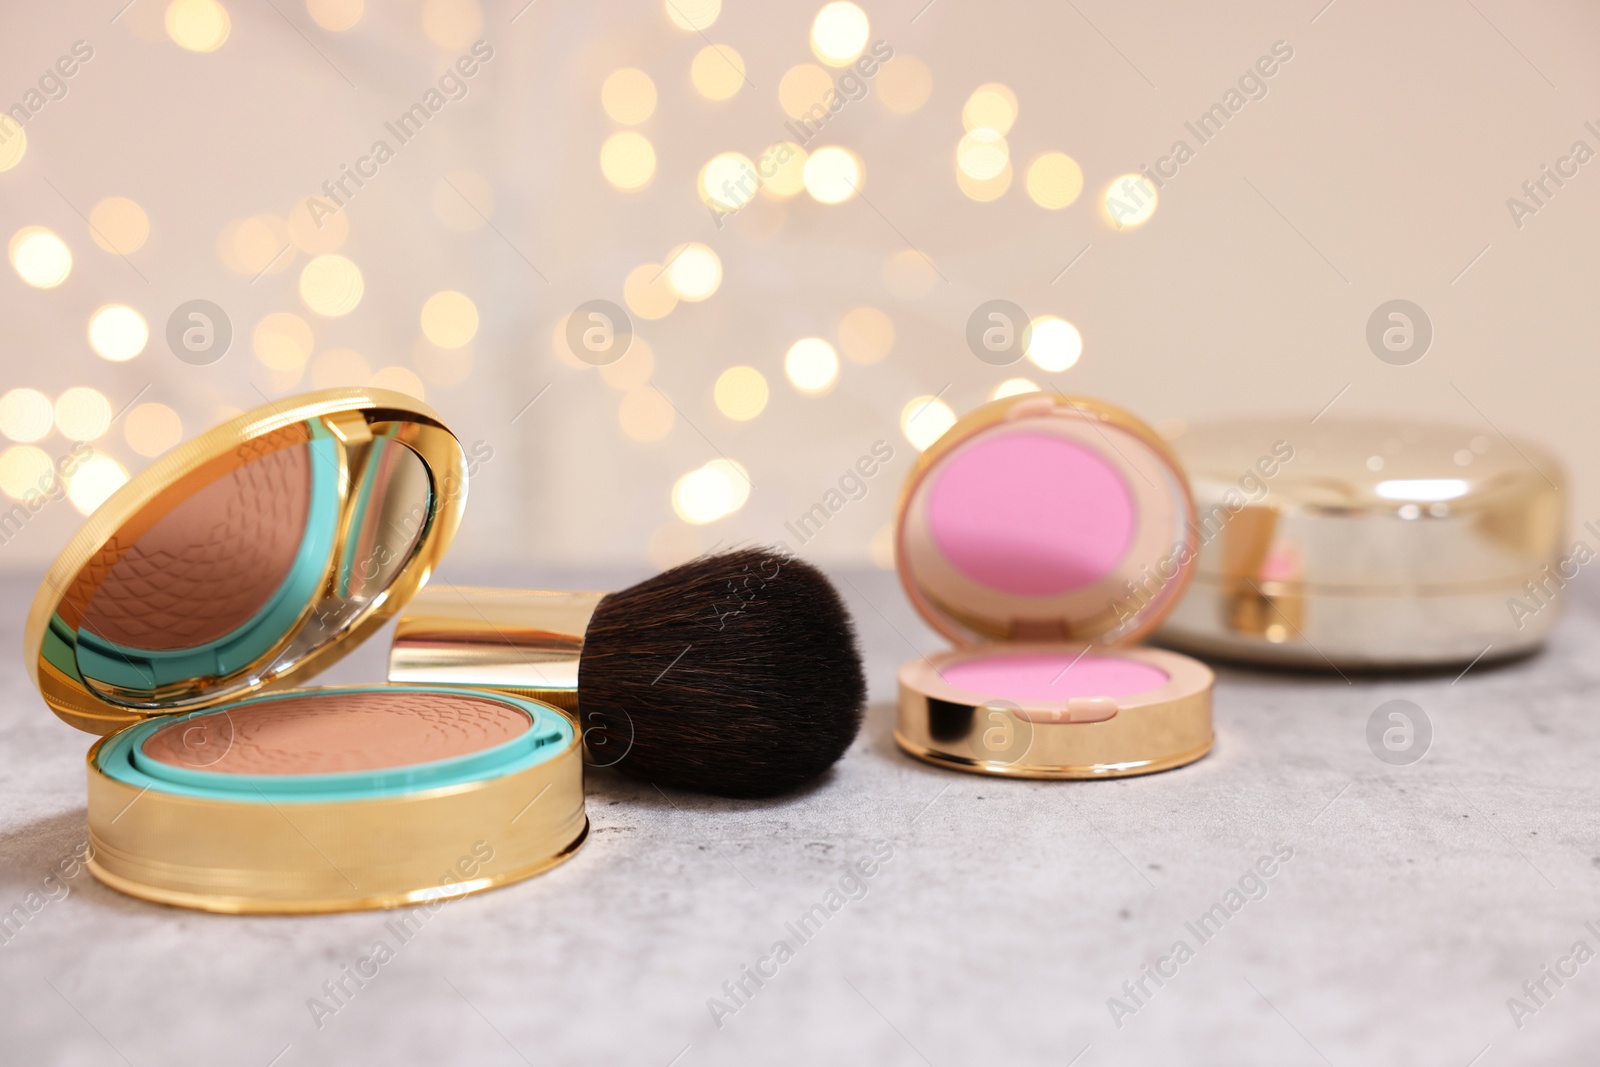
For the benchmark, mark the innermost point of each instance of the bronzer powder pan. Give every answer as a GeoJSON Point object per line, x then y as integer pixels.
{"type": "Point", "coordinates": [239, 564]}
{"type": "Point", "coordinates": [365, 730]}
{"type": "Point", "coordinates": [1045, 536]}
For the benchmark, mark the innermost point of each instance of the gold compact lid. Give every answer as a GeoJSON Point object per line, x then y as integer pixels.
{"type": "Point", "coordinates": [1046, 517]}
{"type": "Point", "coordinates": [1371, 505]}
{"type": "Point", "coordinates": [246, 559]}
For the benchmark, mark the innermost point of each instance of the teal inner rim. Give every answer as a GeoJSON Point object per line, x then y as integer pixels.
{"type": "Point", "coordinates": [137, 669]}
{"type": "Point", "coordinates": [122, 758]}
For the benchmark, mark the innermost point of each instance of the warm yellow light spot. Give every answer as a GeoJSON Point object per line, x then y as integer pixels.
{"type": "Point", "coordinates": [717, 72]}
{"type": "Point", "coordinates": [335, 15]}
{"type": "Point", "coordinates": [812, 366]}
{"type": "Point", "coordinates": [740, 393]}
{"type": "Point", "coordinates": [452, 24]}
{"type": "Point", "coordinates": [693, 14]}
{"type": "Point", "coordinates": [866, 335]}
{"type": "Point", "coordinates": [647, 292]}
{"type": "Point", "coordinates": [984, 190]}
{"type": "Point", "coordinates": [26, 415]}
{"type": "Point", "coordinates": [992, 106]}
{"type": "Point", "coordinates": [331, 285]}
{"type": "Point", "coordinates": [628, 95]}
{"type": "Point", "coordinates": [711, 492]}
{"type": "Point", "coordinates": [784, 163]}
{"type": "Point", "coordinates": [42, 259]}
{"type": "Point", "coordinates": [628, 160]}
{"type": "Point", "coordinates": [633, 369]}
{"type": "Point", "coordinates": [833, 174]}
{"type": "Point", "coordinates": [13, 142]}
{"type": "Point", "coordinates": [737, 476]}
{"type": "Point", "coordinates": [340, 368]}
{"type": "Point", "coordinates": [198, 25]}
{"type": "Point", "coordinates": [1013, 387]}
{"type": "Point", "coordinates": [82, 413]}
{"type": "Point", "coordinates": [400, 379]}
{"type": "Point", "coordinates": [694, 272]}
{"type": "Point", "coordinates": [904, 84]}
{"type": "Point", "coordinates": [444, 367]}
{"type": "Point", "coordinates": [924, 420]}
{"type": "Point", "coordinates": [151, 429]}
{"type": "Point", "coordinates": [728, 181]}
{"type": "Point", "coordinates": [319, 234]}
{"type": "Point", "coordinates": [1054, 344]}
{"type": "Point", "coordinates": [26, 472]}
{"type": "Point", "coordinates": [118, 333]}
{"type": "Point", "coordinates": [1054, 180]}
{"type": "Point", "coordinates": [982, 154]}
{"type": "Point", "coordinates": [449, 319]}
{"type": "Point", "coordinates": [645, 415]}
{"type": "Point", "coordinates": [118, 225]}
{"type": "Point", "coordinates": [839, 33]}
{"type": "Point", "coordinates": [804, 88]}
{"type": "Point", "coordinates": [908, 274]}
{"type": "Point", "coordinates": [1129, 201]}
{"type": "Point", "coordinates": [282, 342]}
{"type": "Point", "coordinates": [95, 478]}
{"type": "Point", "coordinates": [256, 245]}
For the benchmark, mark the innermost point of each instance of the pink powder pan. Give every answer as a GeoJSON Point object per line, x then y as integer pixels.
{"type": "Point", "coordinates": [1045, 535]}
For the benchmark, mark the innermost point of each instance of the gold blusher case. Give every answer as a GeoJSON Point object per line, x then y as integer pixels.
{"type": "Point", "coordinates": [387, 484]}
{"type": "Point", "coordinates": [1098, 737]}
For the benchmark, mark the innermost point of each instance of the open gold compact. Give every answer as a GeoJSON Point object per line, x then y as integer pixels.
{"type": "Point", "coordinates": [239, 564]}
{"type": "Point", "coordinates": [1045, 535]}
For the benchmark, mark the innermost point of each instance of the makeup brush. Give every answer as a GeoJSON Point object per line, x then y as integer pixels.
{"type": "Point", "coordinates": [735, 673]}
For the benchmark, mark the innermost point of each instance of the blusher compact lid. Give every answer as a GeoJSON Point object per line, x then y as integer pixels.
{"type": "Point", "coordinates": [246, 559]}
{"type": "Point", "coordinates": [1046, 517]}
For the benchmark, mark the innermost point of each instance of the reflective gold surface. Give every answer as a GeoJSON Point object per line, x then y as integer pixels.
{"type": "Point", "coordinates": [286, 857]}
{"type": "Point", "coordinates": [1149, 732]}
{"type": "Point", "coordinates": [526, 642]}
{"type": "Point", "coordinates": [1381, 543]}
{"type": "Point", "coordinates": [369, 573]}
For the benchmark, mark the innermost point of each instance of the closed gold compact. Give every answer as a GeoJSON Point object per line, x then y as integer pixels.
{"type": "Point", "coordinates": [1045, 536]}
{"type": "Point", "coordinates": [1371, 543]}
{"type": "Point", "coordinates": [178, 619]}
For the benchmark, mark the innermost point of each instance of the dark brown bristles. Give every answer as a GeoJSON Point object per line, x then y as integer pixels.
{"type": "Point", "coordinates": [734, 674]}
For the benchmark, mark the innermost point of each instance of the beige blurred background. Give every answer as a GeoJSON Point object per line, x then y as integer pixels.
{"type": "Point", "coordinates": [800, 329]}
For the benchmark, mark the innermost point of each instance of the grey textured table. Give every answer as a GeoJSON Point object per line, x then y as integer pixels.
{"type": "Point", "coordinates": [1418, 899]}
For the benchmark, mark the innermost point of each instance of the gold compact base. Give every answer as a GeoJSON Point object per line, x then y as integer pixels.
{"type": "Point", "coordinates": [1010, 770]}
{"type": "Point", "coordinates": [1099, 737]}
{"type": "Point", "coordinates": [264, 856]}
{"type": "Point", "coordinates": [250, 906]}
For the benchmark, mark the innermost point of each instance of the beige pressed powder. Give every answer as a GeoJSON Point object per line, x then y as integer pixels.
{"type": "Point", "coordinates": [355, 731]}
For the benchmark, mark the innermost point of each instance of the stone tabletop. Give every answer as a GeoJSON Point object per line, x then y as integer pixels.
{"type": "Point", "coordinates": [1291, 899]}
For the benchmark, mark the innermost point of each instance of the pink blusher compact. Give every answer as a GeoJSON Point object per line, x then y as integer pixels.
{"type": "Point", "coordinates": [1044, 536]}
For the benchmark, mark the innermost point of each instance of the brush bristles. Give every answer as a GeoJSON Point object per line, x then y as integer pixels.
{"type": "Point", "coordinates": [734, 674]}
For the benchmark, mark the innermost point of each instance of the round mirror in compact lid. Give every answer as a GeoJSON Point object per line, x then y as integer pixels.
{"type": "Point", "coordinates": [247, 559]}
{"type": "Point", "coordinates": [1046, 517]}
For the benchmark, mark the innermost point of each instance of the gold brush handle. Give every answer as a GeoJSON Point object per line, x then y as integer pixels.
{"type": "Point", "coordinates": [522, 641]}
